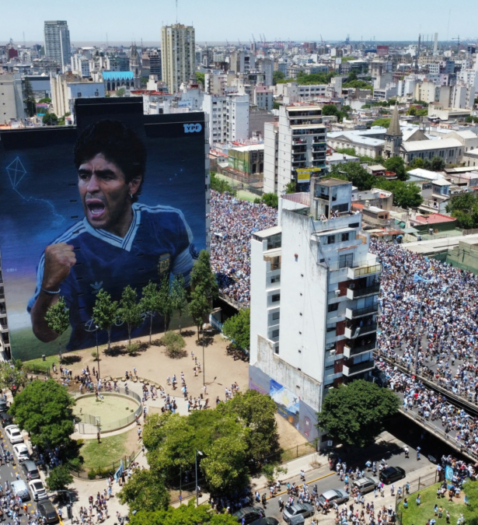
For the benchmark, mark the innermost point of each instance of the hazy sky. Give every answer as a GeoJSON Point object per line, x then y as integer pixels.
{"type": "Point", "coordinates": [218, 20]}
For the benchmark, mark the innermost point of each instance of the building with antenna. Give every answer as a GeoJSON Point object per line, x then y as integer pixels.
{"type": "Point", "coordinates": [178, 55]}
{"type": "Point", "coordinates": [57, 42]}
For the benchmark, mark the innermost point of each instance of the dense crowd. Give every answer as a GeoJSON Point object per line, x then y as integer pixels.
{"type": "Point", "coordinates": [429, 318]}
{"type": "Point", "coordinates": [232, 223]}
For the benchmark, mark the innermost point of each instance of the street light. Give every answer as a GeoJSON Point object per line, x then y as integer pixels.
{"type": "Point", "coordinates": [97, 353]}
{"type": "Point", "coordinates": [203, 361]}
{"type": "Point", "coordinates": [196, 452]}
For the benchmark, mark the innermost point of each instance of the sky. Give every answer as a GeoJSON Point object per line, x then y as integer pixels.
{"type": "Point", "coordinates": [218, 20]}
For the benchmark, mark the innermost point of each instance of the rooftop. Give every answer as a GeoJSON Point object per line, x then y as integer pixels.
{"type": "Point", "coordinates": [269, 232]}
{"type": "Point", "coordinates": [425, 145]}
{"type": "Point", "coordinates": [434, 218]}
{"type": "Point", "coordinates": [333, 182]}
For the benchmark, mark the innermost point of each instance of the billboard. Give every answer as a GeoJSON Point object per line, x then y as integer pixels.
{"type": "Point", "coordinates": [382, 51]}
{"type": "Point", "coordinates": [118, 200]}
{"type": "Point", "coordinates": [304, 174]}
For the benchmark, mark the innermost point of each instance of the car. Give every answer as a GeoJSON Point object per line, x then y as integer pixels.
{"type": "Point", "coordinates": [38, 490]}
{"type": "Point", "coordinates": [21, 452]}
{"type": "Point", "coordinates": [14, 434]}
{"type": "Point", "coordinates": [31, 470]}
{"type": "Point", "coordinates": [333, 496]}
{"type": "Point", "coordinates": [3, 405]}
{"type": "Point", "coordinates": [265, 521]}
{"type": "Point", "coordinates": [6, 419]}
{"type": "Point", "coordinates": [366, 484]}
{"type": "Point", "coordinates": [299, 509]}
{"type": "Point", "coordinates": [20, 490]}
{"type": "Point", "coordinates": [249, 514]}
{"type": "Point", "coordinates": [390, 474]}
{"type": "Point", "coordinates": [48, 511]}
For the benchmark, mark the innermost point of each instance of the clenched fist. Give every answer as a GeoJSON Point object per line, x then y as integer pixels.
{"type": "Point", "coordinates": [59, 259]}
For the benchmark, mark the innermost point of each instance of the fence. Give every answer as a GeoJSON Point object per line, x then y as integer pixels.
{"type": "Point", "coordinates": [298, 451]}
{"type": "Point", "coordinates": [414, 487]}
{"type": "Point", "coordinates": [105, 472]}
{"type": "Point", "coordinates": [90, 424]}
{"type": "Point", "coordinates": [37, 368]}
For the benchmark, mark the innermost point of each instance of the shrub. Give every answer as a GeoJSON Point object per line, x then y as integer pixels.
{"type": "Point", "coordinates": [174, 344]}
{"type": "Point", "coordinates": [92, 474]}
{"type": "Point", "coordinates": [94, 355]}
{"type": "Point", "coordinates": [133, 348]}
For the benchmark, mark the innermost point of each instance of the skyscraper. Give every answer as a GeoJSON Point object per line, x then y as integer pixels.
{"type": "Point", "coordinates": [57, 42]}
{"type": "Point", "coordinates": [177, 55]}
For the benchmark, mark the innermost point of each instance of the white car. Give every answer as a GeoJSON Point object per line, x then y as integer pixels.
{"type": "Point", "coordinates": [21, 451]}
{"type": "Point", "coordinates": [38, 490]}
{"type": "Point", "coordinates": [14, 434]}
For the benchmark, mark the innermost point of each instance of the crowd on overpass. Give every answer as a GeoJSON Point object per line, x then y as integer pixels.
{"type": "Point", "coordinates": [232, 223]}
{"type": "Point", "coordinates": [429, 319]}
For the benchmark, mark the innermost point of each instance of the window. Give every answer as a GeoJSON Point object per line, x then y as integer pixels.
{"type": "Point", "coordinates": [346, 261]}
{"type": "Point", "coordinates": [333, 307]}
{"type": "Point", "coordinates": [275, 333]}
{"type": "Point", "coordinates": [275, 298]}
{"type": "Point", "coordinates": [331, 239]}
{"type": "Point", "coordinates": [275, 279]}
{"type": "Point", "coordinates": [331, 328]}
{"type": "Point", "coordinates": [275, 316]}
{"type": "Point", "coordinates": [345, 237]}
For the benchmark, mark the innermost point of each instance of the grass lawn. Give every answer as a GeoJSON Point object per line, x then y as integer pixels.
{"type": "Point", "coordinates": [420, 515]}
{"type": "Point", "coordinates": [104, 454]}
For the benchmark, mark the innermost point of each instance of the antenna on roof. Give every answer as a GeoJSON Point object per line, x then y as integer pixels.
{"type": "Point", "coordinates": [176, 11]}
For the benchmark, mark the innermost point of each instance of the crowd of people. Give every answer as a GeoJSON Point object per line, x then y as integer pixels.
{"type": "Point", "coordinates": [232, 224]}
{"type": "Point", "coordinates": [429, 321]}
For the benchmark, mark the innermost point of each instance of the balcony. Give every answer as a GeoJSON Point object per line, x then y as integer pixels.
{"type": "Point", "coordinates": [352, 370]}
{"type": "Point", "coordinates": [351, 349]}
{"type": "Point", "coordinates": [363, 271]}
{"type": "Point", "coordinates": [355, 293]}
{"type": "Point", "coordinates": [355, 330]}
{"type": "Point", "coordinates": [355, 313]}
{"type": "Point", "coordinates": [3, 328]}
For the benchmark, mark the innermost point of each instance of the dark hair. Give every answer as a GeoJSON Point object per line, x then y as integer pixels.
{"type": "Point", "coordinates": [118, 144]}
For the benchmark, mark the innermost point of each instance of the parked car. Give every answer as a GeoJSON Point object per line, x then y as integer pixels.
{"type": "Point", "coordinates": [333, 496]}
{"type": "Point", "coordinates": [48, 511]}
{"type": "Point", "coordinates": [20, 490]}
{"type": "Point", "coordinates": [3, 405]}
{"type": "Point", "coordinates": [366, 484]}
{"type": "Point", "coordinates": [266, 521]}
{"type": "Point", "coordinates": [250, 514]}
{"type": "Point", "coordinates": [391, 474]}
{"type": "Point", "coordinates": [21, 452]}
{"type": "Point", "coordinates": [14, 434]}
{"type": "Point", "coordinates": [31, 470]}
{"type": "Point", "coordinates": [299, 509]}
{"type": "Point", "coordinates": [38, 490]}
{"type": "Point", "coordinates": [6, 419]}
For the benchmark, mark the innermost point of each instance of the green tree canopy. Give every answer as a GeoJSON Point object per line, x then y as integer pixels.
{"type": "Point", "coordinates": [464, 208]}
{"type": "Point", "coordinates": [59, 478]}
{"type": "Point", "coordinates": [11, 375]}
{"type": "Point", "coordinates": [397, 165]}
{"type": "Point", "coordinates": [202, 277]}
{"type": "Point", "coordinates": [220, 185]}
{"type": "Point", "coordinates": [437, 164]}
{"type": "Point", "coordinates": [355, 414]}
{"type": "Point", "coordinates": [145, 491]}
{"type": "Point", "coordinates": [238, 328]}
{"type": "Point", "coordinates": [384, 122]}
{"type": "Point", "coordinates": [179, 297]}
{"type": "Point", "coordinates": [471, 510]}
{"type": "Point", "coordinates": [200, 77]}
{"type": "Point", "coordinates": [105, 313]}
{"type": "Point", "coordinates": [29, 99]}
{"type": "Point", "coordinates": [58, 318]}
{"type": "Point", "coordinates": [183, 515]}
{"type": "Point", "coordinates": [50, 119]}
{"type": "Point", "coordinates": [43, 409]}
{"type": "Point", "coordinates": [271, 200]}
{"type": "Point", "coordinates": [276, 76]}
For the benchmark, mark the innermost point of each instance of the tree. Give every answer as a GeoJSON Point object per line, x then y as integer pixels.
{"type": "Point", "coordinates": [202, 275]}
{"type": "Point", "coordinates": [383, 122]}
{"type": "Point", "coordinates": [276, 76]}
{"type": "Point", "coordinates": [405, 194]}
{"type": "Point", "coordinates": [149, 304]}
{"type": "Point", "coordinates": [145, 490]}
{"type": "Point", "coordinates": [200, 78]}
{"type": "Point", "coordinates": [58, 319]}
{"type": "Point", "coordinates": [271, 200]}
{"type": "Point", "coordinates": [183, 515]}
{"type": "Point", "coordinates": [464, 208]}
{"type": "Point", "coordinates": [43, 409]}
{"type": "Point", "coordinates": [50, 119]}
{"type": "Point", "coordinates": [355, 173]}
{"type": "Point", "coordinates": [219, 185]}
{"type": "Point", "coordinates": [105, 313]}
{"type": "Point", "coordinates": [164, 305]}
{"type": "Point", "coordinates": [198, 307]}
{"type": "Point", "coordinates": [121, 92]}
{"type": "Point", "coordinates": [471, 510]}
{"type": "Point", "coordinates": [179, 297]}
{"type": "Point", "coordinates": [59, 478]}
{"type": "Point", "coordinates": [397, 165]}
{"type": "Point", "coordinates": [238, 328]}
{"type": "Point", "coordinates": [290, 187]}
{"type": "Point", "coordinates": [11, 376]}
{"type": "Point", "coordinates": [29, 99]}
{"type": "Point", "coordinates": [130, 311]}
{"type": "Point", "coordinates": [355, 414]}
{"type": "Point", "coordinates": [347, 151]}
{"type": "Point", "coordinates": [438, 164]}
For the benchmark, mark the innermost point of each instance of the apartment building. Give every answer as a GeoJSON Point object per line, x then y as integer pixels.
{"type": "Point", "coordinates": [262, 97]}
{"type": "Point", "coordinates": [228, 117]}
{"type": "Point", "coordinates": [11, 98]}
{"type": "Point", "coordinates": [314, 291]}
{"type": "Point", "coordinates": [178, 55]}
{"type": "Point", "coordinates": [57, 42]}
{"type": "Point", "coordinates": [4, 332]}
{"type": "Point", "coordinates": [300, 142]}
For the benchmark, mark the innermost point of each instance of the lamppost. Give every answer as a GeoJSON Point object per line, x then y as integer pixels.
{"type": "Point", "coordinates": [97, 353]}
{"type": "Point", "coordinates": [196, 452]}
{"type": "Point", "coordinates": [203, 361]}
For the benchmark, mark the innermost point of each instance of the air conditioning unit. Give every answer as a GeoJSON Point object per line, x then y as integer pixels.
{"type": "Point", "coordinates": [337, 293]}
{"type": "Point", "coordinates": [332, 352]}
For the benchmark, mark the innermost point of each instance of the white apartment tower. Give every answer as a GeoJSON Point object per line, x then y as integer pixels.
{"type": "Point", "coordinates": [178, 55]}
{"type": "Point", "coordinates": [228, 117]}
{"type": "Point", "coordinates": [296, 144]}
{"type": "Point", "coordinates": [314, 290]}
{"type": "Point", "coordinates": [57, 42]}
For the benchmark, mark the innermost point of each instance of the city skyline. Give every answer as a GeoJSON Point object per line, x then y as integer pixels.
{"type": "Point", "coordinates": [125, 23]}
